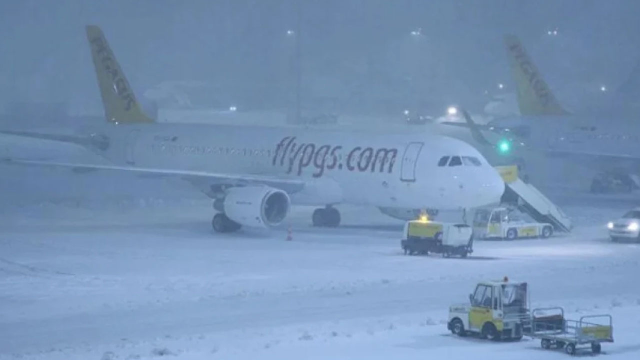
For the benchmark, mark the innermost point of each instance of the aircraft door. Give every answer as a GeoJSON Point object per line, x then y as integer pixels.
{"type": "Point", "coordinates": [409, 161]}
{"type": "Point", "coordinates": [131, 144]}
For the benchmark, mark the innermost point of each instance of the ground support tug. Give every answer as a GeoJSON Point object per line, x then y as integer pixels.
{"type": "Point", "coordinates": [499, 310]}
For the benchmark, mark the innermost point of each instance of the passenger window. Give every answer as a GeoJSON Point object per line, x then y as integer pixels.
{"type": "Point", "coordinates": [455, 161]}
{"type": "Point", "coordinates": [471, 161]}
{"type": "Point", "coordinates": [443, 161]}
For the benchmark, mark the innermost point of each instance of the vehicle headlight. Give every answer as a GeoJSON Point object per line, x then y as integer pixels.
{"type": "Point", "coordinates": [633, 226]}
{"type": "Point", "coordinates": [610, 225]}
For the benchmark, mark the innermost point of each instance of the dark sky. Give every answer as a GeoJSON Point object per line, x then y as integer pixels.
{"type": "Point", "coordinates": [243, 43]}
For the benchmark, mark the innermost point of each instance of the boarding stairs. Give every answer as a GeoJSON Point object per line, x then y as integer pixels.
{"type": "Point", "coordinates": [528, 199]}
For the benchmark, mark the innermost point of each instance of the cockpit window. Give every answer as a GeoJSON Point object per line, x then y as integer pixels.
{"type": "Point", "coordinates": [443, 161]}
{"type": "Point", "coordinates": [455, 161]}
{"type": "Point", "coordinates": [470, 160]}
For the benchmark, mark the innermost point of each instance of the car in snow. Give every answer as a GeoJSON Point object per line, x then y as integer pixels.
{"type": "Point", "coordinates": [627, 227]}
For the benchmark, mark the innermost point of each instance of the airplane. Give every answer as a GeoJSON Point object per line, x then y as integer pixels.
{"type": "Point", "coordinates": [609, 145]}
{"type": "Point", "coordinates": [255, 174]}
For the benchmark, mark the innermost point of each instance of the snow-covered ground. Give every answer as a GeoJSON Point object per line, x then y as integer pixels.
{"type": "Point", "coordinates": [110, 266]}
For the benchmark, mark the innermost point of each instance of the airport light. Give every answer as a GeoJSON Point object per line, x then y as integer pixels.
{"type": "Point", "coordinates": [504, 146]}
{"type": "Point", "coordinates": [452, 111]}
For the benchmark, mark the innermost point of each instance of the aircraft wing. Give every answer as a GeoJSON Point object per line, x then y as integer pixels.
{"type": "Point", "coordinates": [593, 154]}
{"type": "Point", "coordinates": [72, 139]}
{"type": "Point", "coordinates": [196, 177]}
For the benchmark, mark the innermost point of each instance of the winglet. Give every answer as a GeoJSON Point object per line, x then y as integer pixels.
{"type": "Point", "coordinates": [120, 104]}
{"type": "Point", "coordinates": [534, 95]}
{"type": "Point", "coordinates": [475, 130]}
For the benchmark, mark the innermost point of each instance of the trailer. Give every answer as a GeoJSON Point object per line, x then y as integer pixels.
{"type": "Point", "coordinates": [555, 331]}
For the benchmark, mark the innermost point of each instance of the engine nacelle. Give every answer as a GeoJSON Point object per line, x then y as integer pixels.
{"type": "Point", "coordinates": [256, 206]}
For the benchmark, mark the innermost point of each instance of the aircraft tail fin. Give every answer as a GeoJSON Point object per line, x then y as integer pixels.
{"type": "Point", "coordinates": [534, 95]}
{"type": "Point", "coordinates": [120, 104]}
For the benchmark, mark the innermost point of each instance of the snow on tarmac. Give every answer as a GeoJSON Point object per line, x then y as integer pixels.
{"type": "Point", "coordinates": [120, 276]}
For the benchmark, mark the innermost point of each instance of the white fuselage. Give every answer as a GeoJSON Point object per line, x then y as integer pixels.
{"type": "Point", "coordinates": [398, 171]}
{"type": "Point", "coordinates": [592, 142]}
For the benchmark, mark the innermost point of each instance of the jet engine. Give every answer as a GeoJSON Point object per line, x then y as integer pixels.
{"type": "Point", "coordinates": [256, 206]}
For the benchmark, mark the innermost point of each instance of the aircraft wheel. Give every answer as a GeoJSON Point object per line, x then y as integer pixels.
{"type": "Point", "coordinates": [327, 217]}
{"type": "Point", "coordinates": [333, 217]}
{"type": "Point", "coordinates": [319, 218]}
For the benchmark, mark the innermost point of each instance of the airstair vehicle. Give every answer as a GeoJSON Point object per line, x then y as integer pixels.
{"type": "Point", "coordinates": [531, 201]}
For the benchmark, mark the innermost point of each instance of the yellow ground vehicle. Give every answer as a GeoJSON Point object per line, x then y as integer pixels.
{"type": "Point", "coordinates": [505, 223]}
{"type": "Point", "coordinates": [496, 310]}
{"type": "Point", "coordinates": [424, 237]}
{"type": "Point", "coordinates": [500, 310]}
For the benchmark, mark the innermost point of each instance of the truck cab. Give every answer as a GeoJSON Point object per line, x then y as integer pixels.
{"type": "Point", "coordinates": [506, 223]}
{"type": "Point", "coordinates": [496, 310]}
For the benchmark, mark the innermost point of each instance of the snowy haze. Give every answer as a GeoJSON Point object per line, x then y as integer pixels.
{"type": "Point", "coordinates": [111, 266]}
{"type": "Point", "coordinates": [358, 53]}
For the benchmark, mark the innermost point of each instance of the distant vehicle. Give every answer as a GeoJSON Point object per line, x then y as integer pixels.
{"type": "Point", "coordinates": [416, 119]}
{"type": "Point", "coordinates": [504, 223]}
{"type": "Point", "coordinates": [254, 174]}
{"type": "Point", "coordinates": [607, 182]}
{"type": "Point", "coordinates": [627, 227]}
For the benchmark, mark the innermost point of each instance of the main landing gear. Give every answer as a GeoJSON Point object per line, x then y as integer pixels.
{"type": "Point", "coordinates": [222, 224]}
{"type": "Point", "coordinates": [326, 217]}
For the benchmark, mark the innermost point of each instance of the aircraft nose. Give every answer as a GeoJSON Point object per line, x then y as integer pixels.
{"type": "Point", "coordinates": [492, 187]}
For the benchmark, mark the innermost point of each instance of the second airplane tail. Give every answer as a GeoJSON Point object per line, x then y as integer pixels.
{"type": "Point", "coordinates": [120, 104]}
{"type": "Point", "coordinates": [534, 95]}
